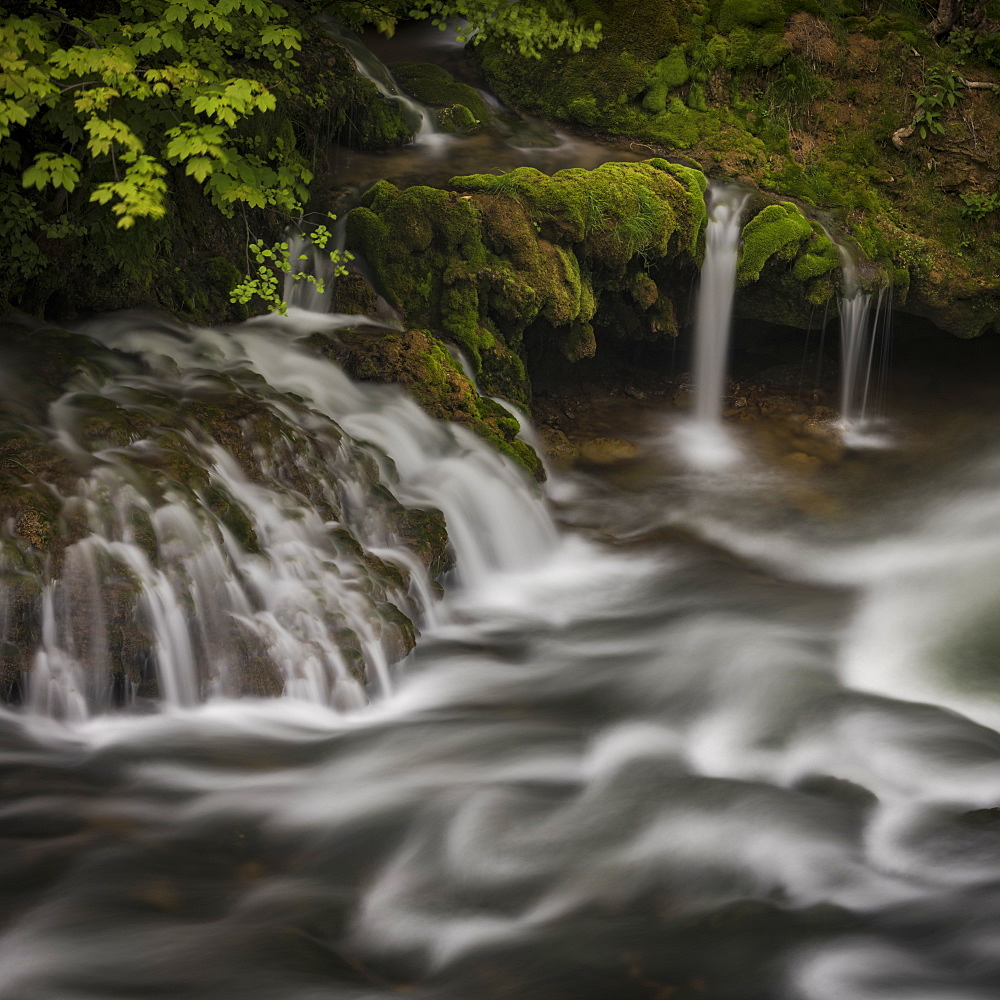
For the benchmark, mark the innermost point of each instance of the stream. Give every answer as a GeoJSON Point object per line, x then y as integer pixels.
{"type": "Point", "coordinates": [671, 733]}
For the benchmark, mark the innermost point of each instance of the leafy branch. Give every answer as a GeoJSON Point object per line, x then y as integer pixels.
{"type": "Point", "coordinates": [275, 262]}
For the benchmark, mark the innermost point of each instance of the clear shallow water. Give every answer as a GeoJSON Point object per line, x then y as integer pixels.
{"type": "Point", "coordinates": [701, 748]}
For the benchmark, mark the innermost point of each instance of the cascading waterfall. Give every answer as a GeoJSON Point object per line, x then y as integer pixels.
{"type": "Point", "coordinates": [704, 439]}
{"type": "Point", "coordinates": [238, 474]}
{"type": "Point", "coordinates": [426, 132]}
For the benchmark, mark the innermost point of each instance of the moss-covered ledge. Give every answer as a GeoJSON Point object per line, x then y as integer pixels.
{"type": "Point", "coordinates": [521, 266]}
{"type": "Point", "coordinates": [421, 363]}
{"type": "Point", "coordinates": [803, 100]}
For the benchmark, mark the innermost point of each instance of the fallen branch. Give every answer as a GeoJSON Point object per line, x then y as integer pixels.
{"type": "Point", "coordinates": [982, 85]}
{"type": "Point", "coordinates": [902, 133]}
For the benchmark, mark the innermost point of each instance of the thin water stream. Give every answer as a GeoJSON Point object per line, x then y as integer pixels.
{"type": "Point", "coordinates": [729, 734]}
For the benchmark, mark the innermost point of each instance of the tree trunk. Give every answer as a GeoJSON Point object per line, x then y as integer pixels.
{"type": "Point", "coordinates": [949, 14]}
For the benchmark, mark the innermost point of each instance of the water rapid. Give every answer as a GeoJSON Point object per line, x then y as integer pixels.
{"type": "Point", "coordinates": [700, 746]}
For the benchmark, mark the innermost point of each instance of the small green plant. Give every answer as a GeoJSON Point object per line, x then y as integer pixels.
{"type": "Point", "coordinates": [940, 92]}
{"type": "Point", "coordinates": [963, 40]}
{"type": "Point", "coordinates": [978, 206]}
{"type": "Point", "coordinates": [276, 261]}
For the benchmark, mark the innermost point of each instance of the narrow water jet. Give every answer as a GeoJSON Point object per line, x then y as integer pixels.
{"type": "Point", "coordinates": [704, 439]}
{"type": "Point", "coordinates": [865, 322]}
{"type": "Point", "coordinates": [855, 311]}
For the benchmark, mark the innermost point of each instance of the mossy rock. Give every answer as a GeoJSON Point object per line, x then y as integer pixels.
{"type": "Point", "coordinates": [458, 120]}
{"type": "Point", "coordinates": [777, 230]}
{"type": "Point", "coordinates": [421, 363]}
{"type": "Point", "coordinates": [513, 265]}
{"type": "Point", "coordinates": [353, 294]}
{"type": "Point", "coordinates": [434, 85]}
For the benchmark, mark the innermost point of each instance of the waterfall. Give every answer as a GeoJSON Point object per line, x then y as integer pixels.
{"type": "Point", "coordinates": [705, 441]}
{"type": "Point", "coordinates": [302, 294]}
{"type": "Point", "coordinates": [237, 517]}
{"type": "Point", "coordinates": [864, 338]}
{"type": "Point", "coordinates": [715, 302]}
{"type": "Point", "coordinates": [368, 65]}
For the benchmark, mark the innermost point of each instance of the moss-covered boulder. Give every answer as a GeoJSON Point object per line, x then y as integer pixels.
{"type": "Point", "coordinates": [353, 294]}
{"type": "Point", "coordinates": [516, 267]}
{"type": "Point", "coordinates": [463, 109]}
{"type": "Point", "coordinates": [421, 363]}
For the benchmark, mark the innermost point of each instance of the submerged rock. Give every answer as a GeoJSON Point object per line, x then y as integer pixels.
{"type": "Point", "coordinates": [604, 451]}
{"type": "Point", "coordinates": [559, 450]}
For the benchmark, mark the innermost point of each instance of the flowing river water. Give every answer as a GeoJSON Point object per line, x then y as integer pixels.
{"type": "Point", "coordinates": [669, 734]}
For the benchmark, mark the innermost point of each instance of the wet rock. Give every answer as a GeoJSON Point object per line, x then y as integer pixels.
{"type": "Point", "coordinates": [354, 295]}
{"type": "Point", "coordinates": [605, 451]}
{"type": "Point", "coordinates": [559, 450]}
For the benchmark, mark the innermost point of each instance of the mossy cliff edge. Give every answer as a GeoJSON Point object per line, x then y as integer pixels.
{"type": "Point", "coordinates": [523, 270]}
{"type": "Point", "coordinates": [520, 267]}
{"type": "Point", "coordinates": [809, 100]}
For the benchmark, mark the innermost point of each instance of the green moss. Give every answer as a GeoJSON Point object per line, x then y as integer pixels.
{"type": "Point", "coordinates": [528, 254]}
{"type": "Point", "coordinates": [422, 364]}
{"type": "Point", "coordinates": [232, 515]}
{"type": "Point", "coordinates": [677, 126]}
{"type": "Point", "coordinates": [766, 14]}
{"type": "Point", "coordinates": [426, 533]}
{"type": "Point", "coordinates": [669, 73]}
{"type": "Point", "coordinates": [696, 184]}
{"type": "Point", "coordinates": [777, 230]}
{"type": "Point", "coordinates": [458, 119]}
{"type": "Point", "coordinates": [696, 98]}
{"type": "Point", "coordinates": [354, 295]}
{"type": "Point", "coordinates": [643, 289]}
{"type": "Point", "coordinates": [818, 257]}
{"type": "Point", "coordinates": [435, 85]}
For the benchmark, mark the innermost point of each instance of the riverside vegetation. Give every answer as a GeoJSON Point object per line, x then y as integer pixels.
{"type": "Point", "coordinates": [150, 153]}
